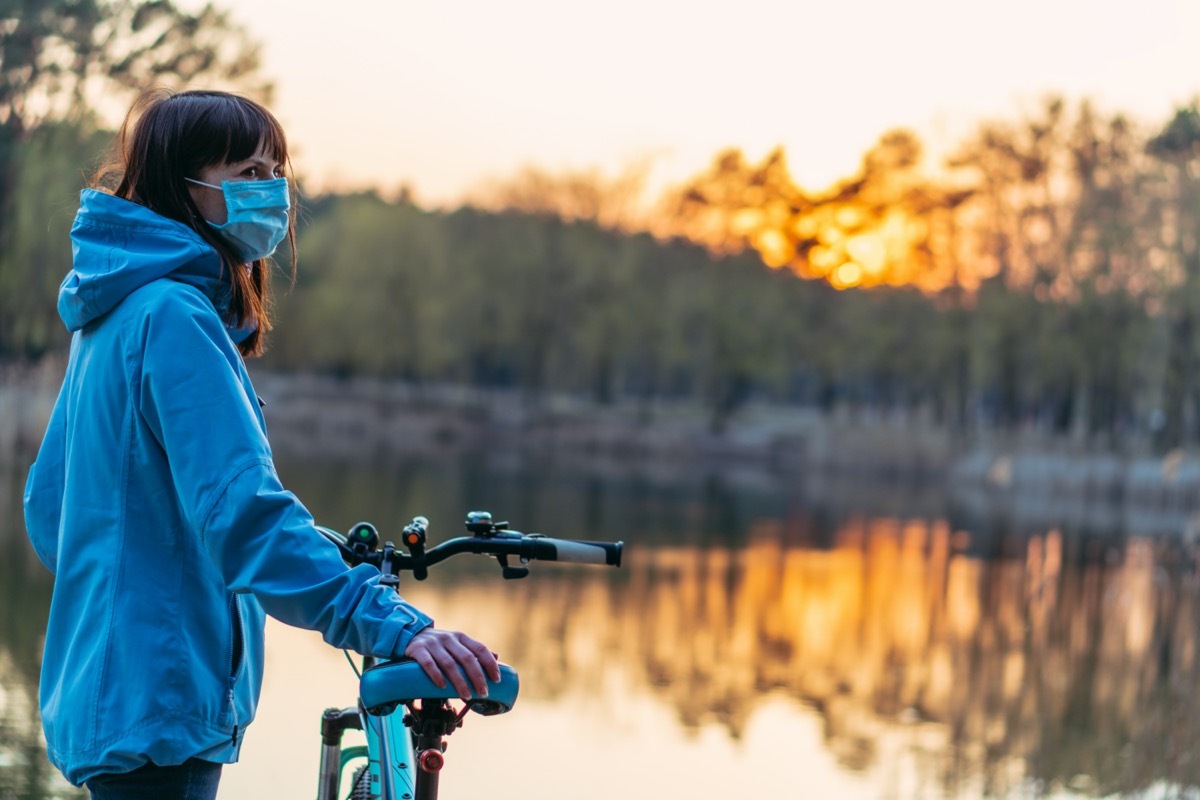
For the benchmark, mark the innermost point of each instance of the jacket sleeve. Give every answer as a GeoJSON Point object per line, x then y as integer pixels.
{"type": "Point", "coordinates": [197, 401]}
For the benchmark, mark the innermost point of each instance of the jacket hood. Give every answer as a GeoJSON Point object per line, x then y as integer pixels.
{"type": "Point", "coordinates": [119, 246]}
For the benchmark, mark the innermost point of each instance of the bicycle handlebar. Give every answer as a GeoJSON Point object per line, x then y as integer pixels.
{"type": "Point", "coordinates": [576, 551]}
{"type": "Point", "coordinates": [490, 539]}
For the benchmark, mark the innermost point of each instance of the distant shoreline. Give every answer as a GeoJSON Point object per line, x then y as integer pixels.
{"type": "Point", "coordinates": [327, 418]}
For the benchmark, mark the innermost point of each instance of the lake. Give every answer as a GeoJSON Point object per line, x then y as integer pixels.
{"type": "Point", "coordinates": [780, 636]}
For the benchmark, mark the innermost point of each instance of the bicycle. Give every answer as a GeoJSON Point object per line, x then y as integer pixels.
{"type": "Point", "coordinates": [405, 752]}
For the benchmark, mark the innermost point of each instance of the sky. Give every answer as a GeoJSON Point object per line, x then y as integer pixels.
{"type": "Point", "coordinates": [442, 97]}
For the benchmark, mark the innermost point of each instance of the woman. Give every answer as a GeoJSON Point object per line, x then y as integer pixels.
{"type": "Point", "coordinates": [154, 498]}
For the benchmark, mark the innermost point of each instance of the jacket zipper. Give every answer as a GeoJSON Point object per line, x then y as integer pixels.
{"type": "Point", "coordinates": [233, 706]}
{"type": "Point", "coordinates": [236, 656]}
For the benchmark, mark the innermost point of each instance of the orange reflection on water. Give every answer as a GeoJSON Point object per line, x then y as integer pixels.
{"type": "Point", "coordinates": [892, 662]}
{"type": "Point", "coordinates": [1023, 669]}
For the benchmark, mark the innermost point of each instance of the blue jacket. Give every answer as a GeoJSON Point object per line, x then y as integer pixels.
{"type": "Point", "coordinates": [155, 502]}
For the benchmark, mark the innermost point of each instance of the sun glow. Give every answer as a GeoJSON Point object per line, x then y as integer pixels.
{"type": "Point", "coordinates": [823, 260]}
{"type": "Point", "coordinates": [868, 250]}
{"type": "Point", "coordinates": [846, 276]}
{"type": "Point", "coordinates": [774, 248]}
{"type": "Point", "coordinates": [849, 259]}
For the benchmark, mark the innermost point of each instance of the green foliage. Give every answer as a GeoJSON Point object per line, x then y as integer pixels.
{"type": "Point", "coordinates": [534, 303]}
{"type": "Point", "coordinates": [38, 250]}
{"type": "Point", "coordinates": [368, 298]}
{"type": "Point", "coordinates": [1180, 139]}
{"type": "Point", "coordinates": [55, 52]}
{"type": "Point", "coordinates": [1065, 264]}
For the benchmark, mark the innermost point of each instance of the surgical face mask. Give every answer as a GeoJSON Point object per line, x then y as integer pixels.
{"type": "Point", "coordinates": [257, 218]}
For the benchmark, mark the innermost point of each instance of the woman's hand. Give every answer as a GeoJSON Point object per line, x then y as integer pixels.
{"type": "Point", "coordinates": [441, 653]}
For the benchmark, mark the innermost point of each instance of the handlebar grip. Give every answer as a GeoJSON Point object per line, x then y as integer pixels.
{"type": "Point", "coordinates": [578, 552]}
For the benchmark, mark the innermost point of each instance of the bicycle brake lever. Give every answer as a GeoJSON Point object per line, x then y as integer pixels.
{"type": "Point", "coordinates": [510, 573]}
{"type": "Point", "coordinates": [385, 566]}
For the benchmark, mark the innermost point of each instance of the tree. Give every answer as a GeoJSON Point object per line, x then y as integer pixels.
{"type": "Point", "coordinates": [63, 64]}
{"type": "Point", "coordinates": [611, 203]}
{"type": "Point", "coordinates": [1177, 146]}
{"type": "Point", "coordinates": [58, 57]}
{"type": "Point", "coordinates": [37, 251]}
{"type": "Point", "coordinates": [734, 205]}
{"type": "Point", "coordinates": [370, 298]}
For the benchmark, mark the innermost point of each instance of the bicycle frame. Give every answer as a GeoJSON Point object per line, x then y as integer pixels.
{"type": "Point", "coordinates": [389, 741]}
{"type": "Point", "coordinates": [404, 751]}
{"type": "Point", "coordinates": [403, 714]}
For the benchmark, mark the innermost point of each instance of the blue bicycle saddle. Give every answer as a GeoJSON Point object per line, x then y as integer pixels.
{"type": "Point", "coordinates": [397, 682]}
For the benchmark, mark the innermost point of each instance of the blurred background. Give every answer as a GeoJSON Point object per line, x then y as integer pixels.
{"type": "Point", "coordinates": [872, 328]}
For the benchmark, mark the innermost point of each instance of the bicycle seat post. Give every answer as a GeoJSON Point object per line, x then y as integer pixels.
{"type": "Point", "coordinates": [431, 722]}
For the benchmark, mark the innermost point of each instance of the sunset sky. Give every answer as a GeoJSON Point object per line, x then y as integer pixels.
{"type": "Point", "coordinates": [442, 96]}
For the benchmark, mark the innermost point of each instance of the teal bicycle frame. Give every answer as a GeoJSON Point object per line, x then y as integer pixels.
{"type": "Point", "coordinates": [403, 714]}
{"type": "Point", "coordinates": [404, 751]}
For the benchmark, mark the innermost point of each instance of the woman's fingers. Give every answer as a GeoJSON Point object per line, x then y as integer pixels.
{"type": "Point", "coordinates": [486, 658]}
{"type": "Point", "coordinates": [463, 657]}
{"type": "Point", "coordinates": [419, 653]}
{"type": "Point", "coordinates": [451, 655]}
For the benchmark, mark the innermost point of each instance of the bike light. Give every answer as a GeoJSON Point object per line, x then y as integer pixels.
{"type": "Point", "coordinates": [414, 532]}
{"type": "Point", "coordinates": [364, 533]}
{"type": "Point", "coordinates": [431, 760]}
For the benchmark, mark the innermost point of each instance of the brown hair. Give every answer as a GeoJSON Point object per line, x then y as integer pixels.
{"type": "Point", "coordinates": [169, 136]}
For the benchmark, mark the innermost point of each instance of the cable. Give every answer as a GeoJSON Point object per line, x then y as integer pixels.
{"type": "Point", "coordinates": [353, 666]}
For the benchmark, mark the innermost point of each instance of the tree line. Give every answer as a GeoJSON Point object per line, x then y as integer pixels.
{"type": "Point", "coordinates": [1046, 277]}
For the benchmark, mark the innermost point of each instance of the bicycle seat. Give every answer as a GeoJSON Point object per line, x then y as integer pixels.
{"type": "Point", "coordinates": [393, 683]}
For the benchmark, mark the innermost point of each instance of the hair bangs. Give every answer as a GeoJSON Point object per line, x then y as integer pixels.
{"type": "Point", "coordinates": [247, 127]}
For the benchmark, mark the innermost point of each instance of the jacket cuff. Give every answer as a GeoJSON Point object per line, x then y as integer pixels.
{"type": "Point", "coordinates": [399, 628]}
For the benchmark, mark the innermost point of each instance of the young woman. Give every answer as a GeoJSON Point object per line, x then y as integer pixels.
{"type": "Point", "coordinates": [154, 498]}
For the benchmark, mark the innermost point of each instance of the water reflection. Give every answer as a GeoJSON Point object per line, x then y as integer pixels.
{"type": "Point", "coordinates": [1060, 663]}
{"type": "Point", "coordinates": [1048, 671]}
{"type": "Point", "coordinates": [24, 602]}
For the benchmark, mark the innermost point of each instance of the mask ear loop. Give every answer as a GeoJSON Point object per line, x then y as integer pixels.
{"type": "Point", "coordinates": [195, 212]}
{"type": "Point", "coordinates": [202, 183]}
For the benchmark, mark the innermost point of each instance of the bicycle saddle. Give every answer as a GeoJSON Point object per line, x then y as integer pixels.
{"type": "Point", "coordinates": [393, 683]}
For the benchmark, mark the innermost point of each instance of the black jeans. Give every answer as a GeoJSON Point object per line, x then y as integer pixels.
{"type": "Point", "coordinates": [192, 780]}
